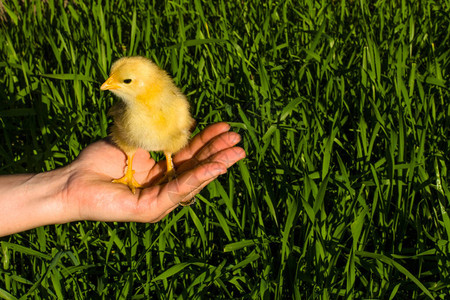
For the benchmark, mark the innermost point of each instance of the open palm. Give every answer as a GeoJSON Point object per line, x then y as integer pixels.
{"type": "Point", "coordinates": [91, 195]}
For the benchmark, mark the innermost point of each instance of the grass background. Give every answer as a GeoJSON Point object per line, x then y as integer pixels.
{"type": "Point", "coordinates": [344, 111]}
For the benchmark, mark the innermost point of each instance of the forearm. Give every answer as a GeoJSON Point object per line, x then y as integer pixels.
{"type": "Point", "coordinates": [32, 200]}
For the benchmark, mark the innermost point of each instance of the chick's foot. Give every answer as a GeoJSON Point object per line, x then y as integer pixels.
{"type": "Point", "coordinates": [129, 180]}
{"type": "Point", "coordinates": [169, 176]}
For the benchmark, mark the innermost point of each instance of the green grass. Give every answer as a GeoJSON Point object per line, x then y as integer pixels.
{"type": "Point", "coordinates": [344, 111]}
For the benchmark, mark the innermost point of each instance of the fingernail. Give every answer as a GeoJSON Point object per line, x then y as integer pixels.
{"type": "Point", "coordinates": [235, 138]}
{"type": "Point", "coordinates": [228, 127]}
{"type": "Point", "coordinates": [242, 153]}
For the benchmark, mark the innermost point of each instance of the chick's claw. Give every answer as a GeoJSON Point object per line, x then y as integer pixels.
{"type": "Point", "coordinates": [129, 180]}
{"type": "Point", "coordinates": [169, 176]}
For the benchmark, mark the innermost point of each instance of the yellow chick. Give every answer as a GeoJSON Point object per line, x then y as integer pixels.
{"type": "Point", "coordinates": [153, 113]}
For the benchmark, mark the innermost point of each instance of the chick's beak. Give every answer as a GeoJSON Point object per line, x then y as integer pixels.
{"type": "Point", "coordinates": [110, 84]}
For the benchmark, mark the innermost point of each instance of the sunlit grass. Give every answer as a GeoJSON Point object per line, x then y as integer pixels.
{"type": "Point", "coordinates": [344, 111]}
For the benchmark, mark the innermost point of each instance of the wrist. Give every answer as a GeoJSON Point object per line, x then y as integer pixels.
{"type": "Point", "coordinates": [51, 190]}
{"type": "Point", "coordinates": [32, 200]}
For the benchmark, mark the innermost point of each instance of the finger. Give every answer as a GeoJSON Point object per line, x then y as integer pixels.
{"type": "Point", "coordinates": [217, 144]}
{"type": "Point", "coordinates": [227, 157]}
{"type": "Point", "coordinates": [197, 143]}
{"type": "Point", "coordinates": [186, 199]}
{"type": "Point", "coordinates": [201, 140]}
{"type": "Point", "coordinates": [192, 195]}
{"type": "Point", "coordinates": [219, 151]}
{"type": "Point", "coordinates": [190, 183]}
{"type": "Point", "coordinates": [172, 193]}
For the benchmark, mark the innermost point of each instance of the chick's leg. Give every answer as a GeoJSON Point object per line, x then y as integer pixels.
{"type": "Point", "coordinates": [128, 178]}
{"type": "Point", "coordinates": [170, 172]}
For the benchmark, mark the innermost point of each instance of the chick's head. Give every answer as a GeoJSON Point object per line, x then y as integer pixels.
{"type": "Point", "coordinates": [132, 77]}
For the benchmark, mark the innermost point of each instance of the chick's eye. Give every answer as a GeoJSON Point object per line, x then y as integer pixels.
{"type": "Point", "coordinates": [127, 81]}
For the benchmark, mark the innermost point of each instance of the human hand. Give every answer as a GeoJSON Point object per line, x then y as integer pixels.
{"type": "Point", "coordinates": [90, 195]}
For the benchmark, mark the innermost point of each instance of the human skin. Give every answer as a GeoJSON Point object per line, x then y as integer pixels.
{"type": "Point", "coordinates": [83, 189]}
